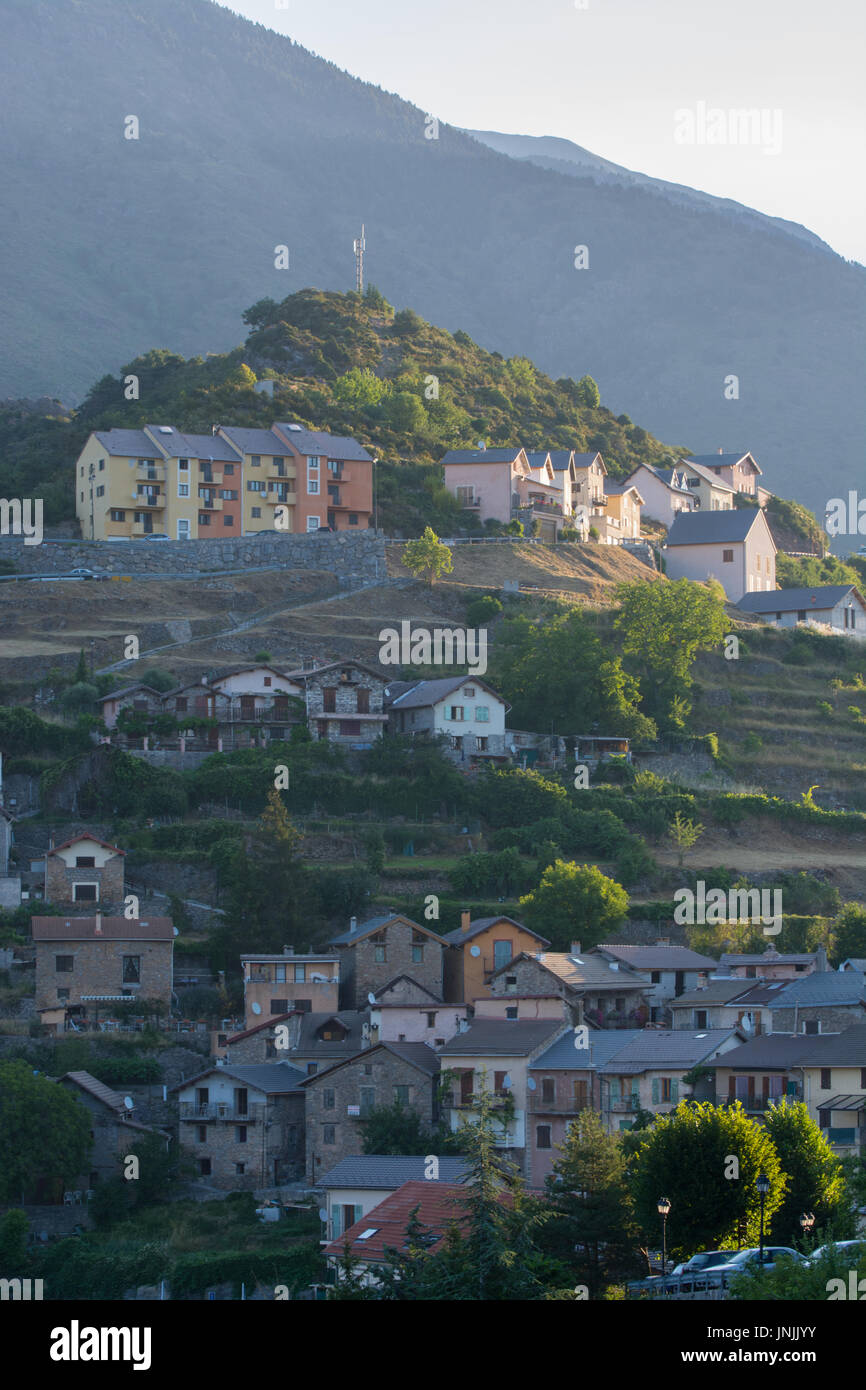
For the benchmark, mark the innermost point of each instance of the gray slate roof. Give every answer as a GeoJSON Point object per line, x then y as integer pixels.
{"type": "Point", "coordinates": [726, 460]}
{"type": "Point", "coordinates": [423, 694]}
{"type": "Point", "coordinates": [652, 1048]}
{"type": "Point", "coordinates": [604, 1043]}
{"type": "Point", "coordinates": [415, 1053]}
{"type": "Point", "coordinates": [255, 441]}
{"type": "Point", "coordinates": [480, 924]}
{"type": "Point", "coordinates": [768, 957]}
{"type": "Point", "coordinates": [495, 1037]}
{"type": "Point", "coordinates": [391, 1170]}
{"type": "Point", "coordinates": [194, 446]}
{"type": "Point", "coordinates": [717, 992]}
{"type": "Point", "coordinates": [706, 473]}
{"type": "Point", "coordinates": [792, 600]}
{"type": "Point", "coordinates": [348, 938]}
{"type": "Point", "coordinates": [584, 460]}
{"type": "Point", "coordinates": [481, 455]}
{"type": "Point", "coordinates": [274, 1078]}
{"type": "Point", "coordinates": [846, 1049]}
{"type": "Point", "coordinates": [821, 989]}
{"type": "Point", "coordinates": [657, 957]}
{"type": "Point", "coordinates": [332, 446]}
{"type": "Point", "coordinates": [127, 443]}
{"type": "Point", "coordinates": [707, 528]}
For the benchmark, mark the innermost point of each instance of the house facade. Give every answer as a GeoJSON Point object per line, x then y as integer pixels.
{"type": "Point", "coordinates": [648, 1072]}
{"type": "Point", "coordinates": [620, 520]}
{"type": "Point", "coordinates": [84, 963]}
{"type": "Point", "coordinates": [839, 608]}
{"type": "Point", "coordinates": [710, 491]}
{"type": "Point", "coordinates": [244, 1125]}
{"type": "Point", "coordinates": [373, 953]}
{"type": "Point", "coordinates": [345, 703]}
{"type": "Point", "coordinates": [464, 710]}
{"type": "Point", "coordinates": [405, 1011]}
{"type": "Point", "coordinates": [665, 971]}
{"type": "Point", "coordinates": [739, 471]}
{"type": "Point", "coordinates": [280, 984]}
{"type": "Point", "coordinates": [318, 479]}
{"type": "Point", "coordinates": [354, 1186]}
{"type": "Point", "coordinates": [595, 992]}
{"type": "Point", "coordinates": [734, 547]}
{"type": "Point", "coordinates": [664, 491]}
{"type": "Point", "coordinates": [84, 869]}
{"type": "Point", "coordinates": [114, 1129]}
{"type": "Point", "coordinates": [478, 948]}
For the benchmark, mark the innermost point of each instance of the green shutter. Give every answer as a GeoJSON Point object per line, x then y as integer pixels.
{"type": "Point", "coordinates": [655, 1090]}
{"type": "Point", "coordinates": [614, 1088]}
{"type": "Point", "coordinates": [359, 1211]}
{"type": "Point", "coordinates": [675, 1091]}
{"type": "Point", "coordinates": [336, 1214]}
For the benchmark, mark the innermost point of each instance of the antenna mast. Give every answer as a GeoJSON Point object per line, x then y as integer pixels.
{"type": "Point", "coordinates": [360, 248]}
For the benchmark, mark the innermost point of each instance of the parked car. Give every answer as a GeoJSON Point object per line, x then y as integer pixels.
{"type": "Point", "coordinates": [856, 1247]}
{"type": "Point", "coordinates": [704, 1259]}
{"type": "Point", "coordinates": [156, 536]}
{"type": "Point", "coordinates": [748, 1261]}
{"type": "Point", "coordinates": [83, 573]}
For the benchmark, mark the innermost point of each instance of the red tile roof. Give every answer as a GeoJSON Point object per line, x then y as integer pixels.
{"type": "Point", "coordinates": [439, 1204]}
{"type": "Point", "coordinates": [85, 835]}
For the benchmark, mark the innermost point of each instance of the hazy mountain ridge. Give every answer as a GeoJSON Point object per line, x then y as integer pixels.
{"type": "Point", "coordinates": [248, 141]}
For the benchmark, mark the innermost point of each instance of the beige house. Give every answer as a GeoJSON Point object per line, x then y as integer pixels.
{"type": "Point", "coordinates": [664, 491]}
{"type": "Point", "coordinates": [734, 547]}
{"type": "Point", "coordinates": [711, 492]}
{"type": "Point", "coordinates": [276, 985]}
{"type": "Point", "coordinates": [620, 520]}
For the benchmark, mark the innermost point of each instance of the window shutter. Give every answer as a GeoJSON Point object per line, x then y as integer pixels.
{"type": "Point", "coordinates": [732, 1087]}
{"type": "Point", "coordinates": [655, 1090]}
{"type": "Point", "coordinates": [336, 1230]}
{"type": "Point", "coordinates": [614, 1088]}
{"type": "Point", "coordinates": [675, 1090]}
{"type": "Point", "coordinates": [359, 1211]}
{"type": "Point", "coordinates": [751, 1086]}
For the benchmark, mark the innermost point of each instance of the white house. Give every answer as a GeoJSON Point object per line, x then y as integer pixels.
{"type": "Point", "coordinates": [664, 491]}
{"type": "Point", "coordinates": [463, 708]}
{"type": "Point", "coordinates": [739, 471]}
{"type": "Point", "coordinates": [712, 493]}
{"type": "Point", "coordinates": [735, 547]}
{"type": "Point", "coordinates": [840, 607]}
{"type": "Point", "coordinates": [359, 1183]}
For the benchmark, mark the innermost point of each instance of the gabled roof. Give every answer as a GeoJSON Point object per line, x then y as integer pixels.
{"type": "Point", "coordinates": [586, 461]}
{"type": "Point", "coordinates": [820, 599]}
{"type": "Point", "coordinates": [604, 1043]}
{"type": "Point", "coordinates": [83, 835]}
{"type": "Point", "coordinates": [113, 929]}
{"type": "Point", "coordinates": [257, 1028]}
{"type": "Point", "coordinates": [854, 963]}
{"type": "Point", "coordinates": [561, 459]}
{"type": "Point", "coordinates": [348, 938]}
{"type": "Point", "coordinates": [327, 1051]}
{"type": "Point", "coordinates": [656, 957]}
{"type": "Point", "coordinates": [733, 990]}
{"type": "Point", "coordinates": [383, 1171]}
{"type": "Point", "coordinates": [496, 1037]}
{"type": "Point", "coordinates": [424, 694]}
{"type": "Point", "coordinates": [177, 444]}
{"type": "Point", "coordinates": [846, 1049]}
{"type": "Point", "coordinates": [618, 489]}
{"type": "Point", "coordinates": [272, 1078]}
{"type": "Point", "coordinates": [97, 1089]}
{"type": "Point", "coordinates": [771, 956]}
{"type": "Point", "coordinates": [249, 441]}
{"type": "Point", "coordinates": [725, 460]}
{"type": "Point", "coordinates": [126, 443]}
{"type": "Point", "coordinates": [481, 924]}
{"type": "Point", "coordinates": [677, 1048]}
{"type": "Point", "coordinates": [335, 666]}
{"type": "Point", "coordinates": [708, 528]}
{"type": "Point", "coordinates": [706, 474]}
{"type": "Point", "coordinates": [823, 988]}
{"type": "Point", "coordinates": [383, 989]}
{"type": "Point", "coordinates": [577, 972]}
{"type": "Point", "coordinates": [482, 455]}
{"type": "Point", "coordinates": [245, 666]}
{"type": "Point", "coordinates": [416, 1054]}
{"type": "Point", "coordinates": [439, 1206]}
{"type": "Point", "coordinates": [129, 690]}
{"type": "Point", "coordinates": [334, 446]}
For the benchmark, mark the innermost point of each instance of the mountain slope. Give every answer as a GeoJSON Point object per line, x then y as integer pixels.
{"type": "Point", "coordinates": [248, 142]}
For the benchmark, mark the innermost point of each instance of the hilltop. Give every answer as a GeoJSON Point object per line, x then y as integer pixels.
{"type": "Point", "coordinates": [247, 142]}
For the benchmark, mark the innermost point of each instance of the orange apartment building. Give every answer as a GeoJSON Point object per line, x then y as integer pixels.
{"type": "Point", "coordinates": [323, 480]}
{"type": "Point", "coordinates": [478, 948]}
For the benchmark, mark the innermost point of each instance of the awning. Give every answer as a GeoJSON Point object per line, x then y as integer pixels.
{"type": "Point", "coordinates": [843, 1103]}
{"type": "Point", "coordinates": [108, 998]}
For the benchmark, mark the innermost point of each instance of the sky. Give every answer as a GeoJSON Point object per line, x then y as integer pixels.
{"type": "Point", "coordinates": [648, 84]}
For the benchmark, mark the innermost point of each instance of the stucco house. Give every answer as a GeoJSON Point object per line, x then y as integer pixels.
{"type": "Point", "coordinates": [464, 710]}
{"type": "Point", "coordinates": [739, 471]}
{"type": "Point", "coordinates": [318, 479]}
{"type": "Point", "coordinates": [479, 947]}
{"type": "Point", "coordinates": [727, 1003]}
{"type": "Point", "coordinates": [664, 491]}
{"type": "Point", "coordinates": [620, 520]}
{"type": "Point", "coordinates": [356, 1185]}
{"type": "Point", "coordinates": [666, 971]}
{"type": "Point", "coordinates": [592, 988]}
{"type": "Point", "coordinates": [841, 608]}
{"type": "Point", "coordinates": [406, 1011]}
{"type": "Point", "coordinates": [711, 492]}
{"type": "Point", "coordinates": [771, 964]}
{"type": "Point", "coordinates": [502, 484]}
{"type": "Point", "coordinates": [647, 1072]}
{"type": "Point", "coordinates": [438, 1206]}
{"type": "Point", "coordinates": [734, 547]}
{"type": "Point", "coordinates": [279, 984]}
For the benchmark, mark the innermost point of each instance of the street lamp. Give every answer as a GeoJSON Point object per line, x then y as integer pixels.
{"type": "Point", "coordinates": [664, 1206]}
{"type": "Point", "coordinates": [807, 1221]}
{"type": "Point", "coordinates": [763, 1186]}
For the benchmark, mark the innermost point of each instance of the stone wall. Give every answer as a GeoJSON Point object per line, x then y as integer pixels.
{"type": "Point", "coordinates": [356, 557]}
{"type": "Point", "coordinates": [361, 972]}
{"type": "Point", "coordinates": [97, 968]}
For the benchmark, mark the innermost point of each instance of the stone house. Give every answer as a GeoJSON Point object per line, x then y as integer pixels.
{"type": "Point", "coordinates": [309, 1041]}
{"type": "Point", "coordinates": [405, 1011]}
{"type": "Point", "coordinates": [826, 1001]}
{"type": "Point", "coordinates": [244, 1125]}
{"type": "Point", "coordinates": [84, 869]}
{"type": "Point", "coordinates": [372, 954]}
{"type": "Point", "coordinates": [727, 1003]}
{"type": "Point", "coordinates": [593, 991]}
{"type": "Point", "coordinates": [478, 948]}
{"type": "Point", "coordinates": [339, 1097]}
{"type": "Point", "coordinates": [280, 984]}
{"type": "Point", "coordinates": [114, 1129]}
{"type": "Point", "coordinates": [667, 971]}
{"type": "Point", "coordinates": [84, 963]}
{"type": "Point", "coordinates": [345, 703]}
{"type": "Point", "coordinates": [139, 699]}
{"type": "Point", "coordinates": [771, 964]}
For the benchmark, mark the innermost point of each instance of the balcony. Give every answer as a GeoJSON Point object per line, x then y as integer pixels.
{"type": "Point", "coordinates": [274, 714]}
{"type": "Point", "coordinates": [539, 1106]}
{"type": "Point", "coordinates": [211, 477]}
{"type": "Point", "coordinates": [150, 473]}
{"type": "Point", "coordinates": [276, 470]}
{"type": "Point", "coordinates": [762, 1102]}
{"type": "Point", "coordinates": [192, 1112]}
{"type": "Point", "coordinates": [154, 501]}
{"type": "Point", "coordinates": [625, 1106]}
{"type": "Point", "coordinates": [279, 498]}
{"type": "Point", "coordinates": [210, 504]}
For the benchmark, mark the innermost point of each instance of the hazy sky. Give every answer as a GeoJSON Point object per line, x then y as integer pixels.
{"type": "Point", "coordinates": [612, 75]}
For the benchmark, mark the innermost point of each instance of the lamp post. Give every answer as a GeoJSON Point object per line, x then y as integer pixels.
{"type": "Point", "coordinates": [807, 1221]}
{"type": "Point", "coordinates": [763, 1186]}
{"type": "Point", "coordinates": [664, 1206]}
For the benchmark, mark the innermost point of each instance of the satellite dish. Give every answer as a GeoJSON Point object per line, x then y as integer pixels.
{"type": "Point", "coordinates": [531, 1083]}
{"type": "Point", "coordinates": [256, 1008]}
{"type": "Point", "coordinates": [507, 1080]}
{"type": "Point", "coordinates": [129, 1102]}
{"type": "Point", "coordinates": [371, 998]}
{"type": "Point", "coordinates": [175, 930]}
{"type": "Point", "coordinates": [475, 950]}
{"type": "Point", "coordinates": [323, 1213]}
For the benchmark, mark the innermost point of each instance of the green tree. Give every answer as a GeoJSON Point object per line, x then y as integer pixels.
{"type": "Point", "coordinates": [588, 394]}
{"type": "Point", "coordinates": [849, 934]}
{"type": "Point", "coordinates": [816, 1178]}
{"type": "Point", "coordinates": [374, 851]}
{"type": "Point", "coordinates": [158, 679]}
{"type": "Point", "coordinates": [82, 674]}
{"type": "Point", "coordinates": [706, 1159]}
{"type": "Point", "coordinates": [44, 1135]}
{"type": "Point", "coordinates": [395, 1129]}
{"type": "Point", "coordinates": [685, 834]}
{"type": "Point", "coordinates": [427, 557]}
{"type": "Point", "coordinates": [574, 899]}
{"type": "Point", "coordinates": [14, 1227]}
{"type": "Point", "coordinates": [664, 626]}
{"type": "Point", "coordinates": [592, 1230]}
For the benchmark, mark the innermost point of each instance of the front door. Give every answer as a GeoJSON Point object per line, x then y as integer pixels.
{"type": "Point", "coordinates": [183, 528]}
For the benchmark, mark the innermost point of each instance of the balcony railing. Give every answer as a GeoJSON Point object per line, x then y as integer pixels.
{"type": "Point", "coordinates": [273, 715]}
{"type": "Point", "coordinates": [761, 1102]}
{"type": "Point", "coordinates": [221, 1110]}
{"type": "Point", "coordinates": [624, 1105]}
{"type": "Point", "coordinates": [539, 1106]}
{"type": "Point", "coordinates": [154, 499]}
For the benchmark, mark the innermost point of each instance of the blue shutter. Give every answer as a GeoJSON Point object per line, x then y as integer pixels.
{"type": "Point", "coordinates": [655, 1090]}
{"type": "Point", "coordinates": [675, 1091]}
{"type": "Point", "coordinates": [614, 1088]}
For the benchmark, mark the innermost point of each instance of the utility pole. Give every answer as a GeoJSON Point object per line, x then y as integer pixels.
{"type": "Point", "coordinates": [360, 248]}
{"type": "Point", "coordinates": [91, 475]}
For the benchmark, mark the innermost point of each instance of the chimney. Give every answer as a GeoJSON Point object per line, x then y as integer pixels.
{"type": "Point", "coordinates": [465, 919]}
{"type": "Point", "coordinates": [97, 930]}
{"type": "Point", "coordinates": [575, 948]}
{"type": "Point", "coordinates": [821, 958]}
{"type": "Point", "coordinates": [353, 924]}
{"type": "Point", "coordinates": [288, 950]}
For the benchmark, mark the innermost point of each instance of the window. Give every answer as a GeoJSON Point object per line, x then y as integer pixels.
{"type": "Point", "coordinates": [241, 1134]}
{"type": "Point", "coordinates": [131, 970]}
{"type": "Point", "coordinates": [329, 1099]}
{"type": "Point", "coordinates": [826, 1079]}
{"type": "Point", "coordinates": [368, 1068]}
{"type": "Point", "coordinates": [85, 892]}
{"type": "Point", "coordinates": [417, 955]}
{"type": "Point", "coordinates": [511, 1011]}
{"type": "Point", "coordinates": [727, 557]}
{"type": "Point", "coordinates": [547, 1089]}
{"type": "Point", "coordinates": [379, 954]}
{"type": "Point", "coordinates": [700, 1018]}
{"type": "Point", "coordinates": [256, 511]}
{"type": "Point", "coordinates": [863, 1078]}
{"type": "Point", "coordinates": [240, 1169]}
{"type": "Point", "coordinates": [280, 975]}
{"type": "Point", "coordinates": [758, 563]}
{"type": "Point", "coordinates": [466, 495]}
{"type": "Point", "coordinates": [62, 996]}
{"type": "Point", "coordinates": [579, 1094]}
{"type": "Point", "coordinates": [431, 1022]}
{"type": "Point", "coordinates": [801, 615]}
{"type": "Point", "coordinates": [810, 1026]}
{"type": "Point", "coordinates": [100, 491]}
{"type": "Point", "coordinates": [312, 523]}
{"type": "Point", "coordinates": [85, 861]}
{"type": "Point", "coordinates": [482, 714]}
{"type": "Point", "coordinates": [101, 464]}
{"type": "Point", "coordinates": [367, 1098]}
{"type": "Point", "coordinates": [353, 518]}
{"type": "Point", "coordinates": [454, 713]}
{"type": "Point", "coordinates": [502, 953]}
{"type": "Point", "coordinates": [363, 698]}
{"type": "Point", "coordinates": [655, 976]}
{"type": "Point", "coordinates": [542, 1136]}
{"type": "Point", "coordinates": [204, 1167]}
{"type": "Point", "coordinates": [350, 728]}
{"type": "Point", "coordinates": [664, 1088]}
{"type": "Point", "coordinates": [313, 476]}
{"type": "Point", "coordinates": [256, 460]}
{"type": "Point", "coordinates": [204, 519]}
{"type": "Point", "coordinates": [63, 964]}
{"type": "Point", "coordinates": [300, 972]}
{"type": "Point", "coordinates": [228, 520]}
{"type": "Point", "coordinates": [229, 494]}
{"type": "Point", "coordinates": [183, 489]}
{"type": "Point", "coordinates": [312, 1068]}
{"type": "Point", "coordinates": [401, 1095]}
{"type": "Point", "coordinates": [117, 515]}
{"type": "Point", "coordinates": [256, 487]}
{"type": "Point", "coordinates": [279, 1006]}
{"type": "Point", "coordinates": [229, 470]}
{"type": "Point", "coordinates": [202, 1134]}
